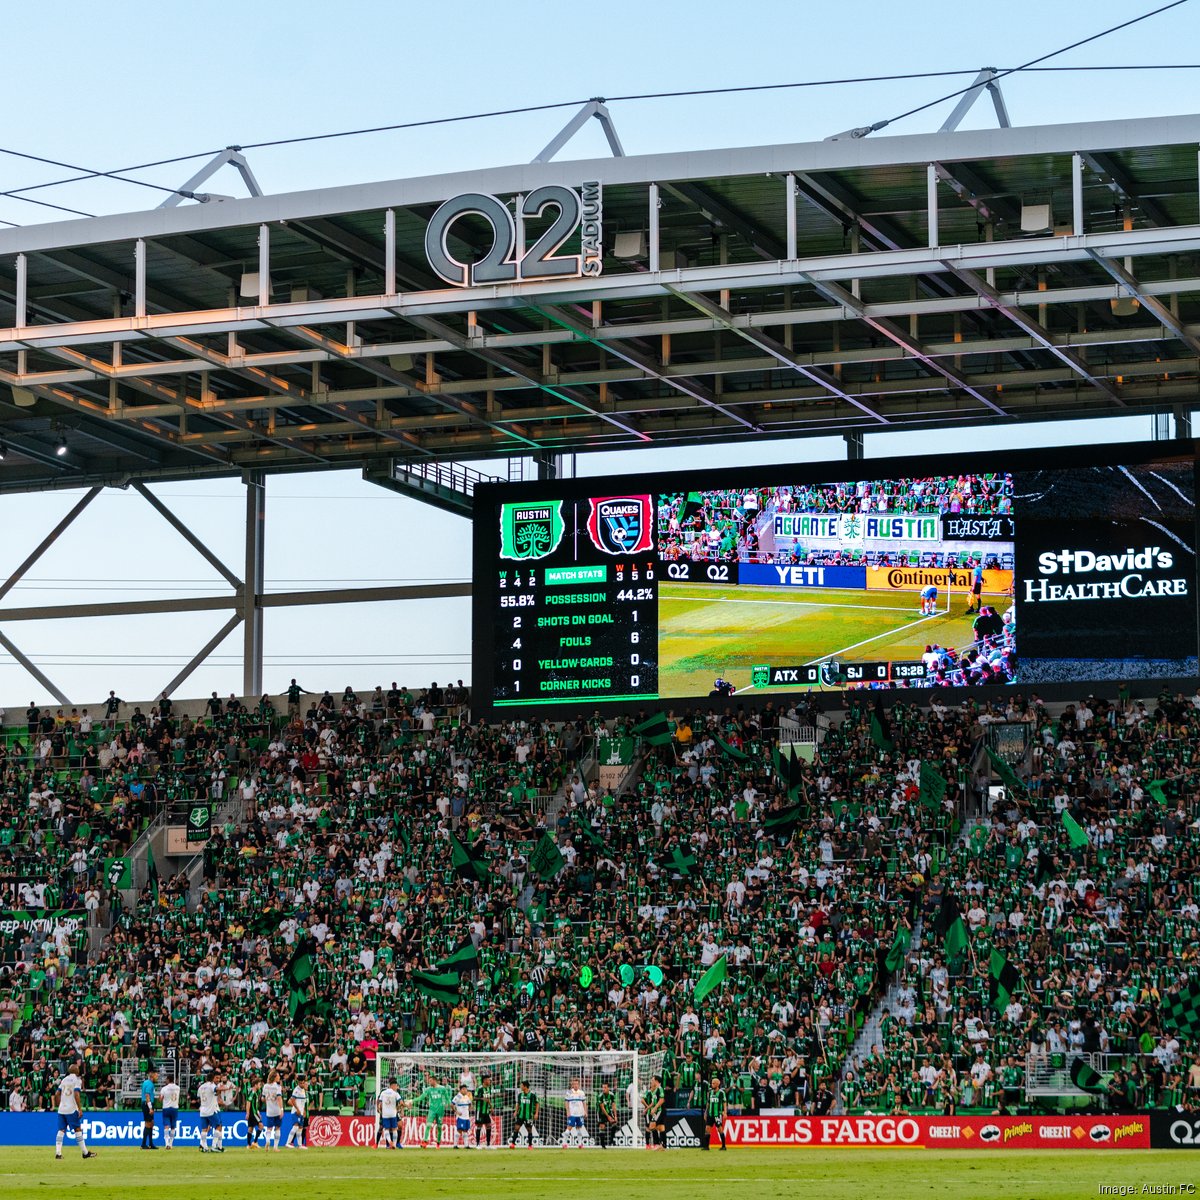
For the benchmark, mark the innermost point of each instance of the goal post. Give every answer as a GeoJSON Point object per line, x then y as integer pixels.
{"type": "Point", "coordinates": [428, 1086]}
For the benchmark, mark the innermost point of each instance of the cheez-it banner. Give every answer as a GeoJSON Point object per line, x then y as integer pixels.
{"type": "Point", "coordinates": [959, 1133]}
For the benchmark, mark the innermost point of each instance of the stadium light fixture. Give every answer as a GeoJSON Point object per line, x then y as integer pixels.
{"type": "Point", "coordinates": [23, 397]}
{"type": "Point", "coordinates": [60, 447]}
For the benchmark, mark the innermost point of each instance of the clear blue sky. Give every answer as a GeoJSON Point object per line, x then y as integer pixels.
{"type": "Point", "coordinates": [108, 87]}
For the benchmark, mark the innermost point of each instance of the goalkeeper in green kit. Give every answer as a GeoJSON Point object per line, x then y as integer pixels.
{"type": "Point", "coordinates": [436, 1097]}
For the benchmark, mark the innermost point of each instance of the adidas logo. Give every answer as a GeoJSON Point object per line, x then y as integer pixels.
{"type": "Point", "coordinates": [681, 1135]}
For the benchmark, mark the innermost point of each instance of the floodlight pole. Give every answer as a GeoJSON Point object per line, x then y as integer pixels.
{"type": "Point", "coordinates": [252, 612]}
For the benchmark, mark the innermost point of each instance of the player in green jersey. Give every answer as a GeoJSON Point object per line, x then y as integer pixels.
{"type": "Point", "coordinates": [655, 1102]}
{"type": "Point", "coordinates": [436, 1097]}
{"type": "Point", "coordinates": [524, 1116]}
{"type": "Point", "coordinates": [254, 1125]}
{"type": "Point", "coordinates": [715, 1110]}
{"type": "Point", "coordinates": [606, 1115]}
{"type": "Point", "coordinates": [485, 1099]}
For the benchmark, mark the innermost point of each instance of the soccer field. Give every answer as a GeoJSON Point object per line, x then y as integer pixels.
{"type": "Point", "coordinates": [590, 1174]}
{"type": "Point", "coordinates": [705, 632]}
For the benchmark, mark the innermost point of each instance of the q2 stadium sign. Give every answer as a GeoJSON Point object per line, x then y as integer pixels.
{"type": "Point", "coordinates": [511, 258]}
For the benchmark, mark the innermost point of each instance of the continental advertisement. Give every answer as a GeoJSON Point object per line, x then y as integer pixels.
{"type": "Point", "coordinates": [908, 579]}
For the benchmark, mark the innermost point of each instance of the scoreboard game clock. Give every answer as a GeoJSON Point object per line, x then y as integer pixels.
{"type": "Point", "coordinates": [1034, 568]}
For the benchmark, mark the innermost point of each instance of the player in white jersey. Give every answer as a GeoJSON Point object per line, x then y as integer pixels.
{"type": "Point", "coordinates": [462, 1116]}
{"type": "Point", "coordinates": [210, 1116]}
{"type": "Point", "coordinates": [272, 1110]}
{"type": "Point", "coordinates": [70, 1110]}
{"type": "Point", "coordinates": [388, 1104]}
{"type": "Point", "coordinates": [299, 1129]}
{"type": "Point", "coordinates": [576, 1131]}
{"type": "Point", "coordinates": [170, 1112]}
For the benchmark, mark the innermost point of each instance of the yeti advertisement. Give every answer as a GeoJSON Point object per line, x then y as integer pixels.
{"type": "Point", "coordinates": [1106, 566]}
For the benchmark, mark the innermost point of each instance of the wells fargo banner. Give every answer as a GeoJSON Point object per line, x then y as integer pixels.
{"type": "Point", "coordinates": [929, 1133]}
{"type": "Point", "coordinates": [913, 579]}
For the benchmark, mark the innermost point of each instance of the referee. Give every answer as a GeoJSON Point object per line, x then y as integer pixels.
{"type": "Point", "coordinates": [148, 1109]}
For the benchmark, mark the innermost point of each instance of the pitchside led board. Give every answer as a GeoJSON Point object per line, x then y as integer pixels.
{"type": "Point", "coordinates": [1026, 568]}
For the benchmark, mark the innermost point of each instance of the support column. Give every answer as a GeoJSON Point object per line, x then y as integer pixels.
{"type": "Point", "coordinates": [252, 613]}
{"type": "Point", "coordinates": [854, 445]}
{"type": "Point", "coordinates": [549, 465]}
{"type": "Point", "coordinates": [1183, 422]}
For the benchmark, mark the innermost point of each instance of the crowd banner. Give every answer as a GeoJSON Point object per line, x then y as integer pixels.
{"type": "Point", "coordinates": [42, 920]}
{"type": "Point", "coordinates": [912, 579]}
{"type": "Point", "coordinates": [800, 575]}
{"type": "Point", "coordinates": [932, 1133]}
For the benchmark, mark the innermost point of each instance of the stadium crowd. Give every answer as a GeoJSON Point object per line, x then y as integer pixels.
{"type": "Point", "coordinates": [727, 524]}
{"type": "Point", "coordinates": [338, 839]}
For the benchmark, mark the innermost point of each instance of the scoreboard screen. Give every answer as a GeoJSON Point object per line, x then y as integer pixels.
{"type": "Point", "coordinates": [1032, 568]}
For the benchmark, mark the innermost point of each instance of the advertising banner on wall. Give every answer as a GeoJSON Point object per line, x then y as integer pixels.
{"type": "Point", "coordinates": [958, 1133]}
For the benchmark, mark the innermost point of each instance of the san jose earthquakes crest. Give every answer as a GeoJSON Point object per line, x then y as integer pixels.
{"type": "Point", "coordinates": [621, 524]}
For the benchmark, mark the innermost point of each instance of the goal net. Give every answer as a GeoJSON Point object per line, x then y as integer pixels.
{"type": "Point", "coordinates": [431, 1106]}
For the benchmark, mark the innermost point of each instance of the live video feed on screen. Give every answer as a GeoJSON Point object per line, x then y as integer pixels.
{"type": "Point", "coordinates": [881, 582]}
{"type": "Point", "coordinates": [1076, 568]}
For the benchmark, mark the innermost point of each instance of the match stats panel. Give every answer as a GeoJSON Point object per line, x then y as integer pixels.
{"type": "Point", "coordinates": [575, 613]}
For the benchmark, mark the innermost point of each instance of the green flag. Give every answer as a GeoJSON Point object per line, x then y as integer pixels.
{"type": "Point", "coordinates": [789, 767]}
{"type": "Point", "coordinates": [1075, 832]}
{"type": "Point", "coordinates": [881, 732]}
{"type": "Point", "coordinates": [656, 730]}
{"type": "Point", "coordinates": [949, 925]}
{"type": "Point", "coordinates": [1008, 776]}
{"type": "Point", "coordinates": [1084, 1077]}
{"type": "Point", "coordinates": [118, 873]}
{"type": "Point", "coordinates": [443, 986]}
{"type": "Point", "coordinates": [587, 831]}
{"type": "Point", "coordinates": [1003, 980]}
{"type": "Point", "coordinates": [933, 785]}
{"type": "Point", "coordinates": [780, 822]}
{"type": "Point", "coordinates": [713, 977]}
{"type": "Point", "coordinates": [900, 947]}
{"type": "Point", "coordinates": [467, 861]}
{"type": "Point", "coordinates": [151, 872]}
{"type": "Point", "coordinates": [463, 961]}
{"type": "Point", "coordinates": [1155, 788]}
{"type": "Point", "coordinates": [682, 861]}
{"type": "Point", "coordinates": [1181, 1011]}
{"type": "Point", "coordinates": [312, 1007]}
{"type": "Point", "coordinates": [547, 859]}
{"type": "Point", "coordinates": [299, 967]}
{"type": "Point", "coordinates": [732, 751]}
{"type": "Point", "coordinates": [693, 502]}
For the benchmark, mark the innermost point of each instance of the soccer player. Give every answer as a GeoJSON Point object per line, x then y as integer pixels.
{"type": "Point", "coordinates": [170, 1112]}
{"type": "Point", "coordinates": [272, 1095]}
{"type": "Point", "coordinates": [148, 1109]}
{"type": "Point", "coordinates": [576, 1130]}
{"type": "Point", "coordinates": [389, 1123]}
{"type": "Point", "coordinates": [716, 1110]}
{"type": "Point", "coordinates": [436, 1097]}
{"type": "Point", "coordinates": [929, 600]}
{"type": "Point", "coordinates": [606, 1114]}
{"type": "Point", "coordinates": [655, 1101]}
{"type": "Point", "coordinates": [299, 1129]}
{"type": "Point", "coordinates": [462, 1117]}
{"type": "Point", "coordinates": [210, 1116]}
{"type": "Point", "coordinates": [485, 1098]}
{"type": "Point", "coordinates": [254, 1125]}
{"type": "Point", "coordinates": [70, 1110]}
{"type": "Point", "coordinates": [524, 1116]}
{"type": "Point", "coordinates": [975, 603]}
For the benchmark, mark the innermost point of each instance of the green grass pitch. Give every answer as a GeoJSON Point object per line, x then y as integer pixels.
{"type": "Point", "coordinates": [705, 631]}
{"type": "Point", "coordinates": [353, 1174]}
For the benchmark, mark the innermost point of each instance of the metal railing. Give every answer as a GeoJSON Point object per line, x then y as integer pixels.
{"type": "Point", "coordinates": [1050, 1074]}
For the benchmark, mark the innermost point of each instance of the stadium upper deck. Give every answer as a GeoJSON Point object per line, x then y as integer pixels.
{"type": "Point", "coordinates": [839, 286]}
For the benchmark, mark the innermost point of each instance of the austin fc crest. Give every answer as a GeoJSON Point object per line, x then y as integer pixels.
{"type": "Point", "coordinates": [621, 524]}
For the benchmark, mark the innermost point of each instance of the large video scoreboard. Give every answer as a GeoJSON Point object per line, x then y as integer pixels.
{"type": "Point", "coordinates": [1030, 568]}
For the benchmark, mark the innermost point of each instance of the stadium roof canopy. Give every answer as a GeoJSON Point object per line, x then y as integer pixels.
{"type": "Point", "coordinates": [845, 286]}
